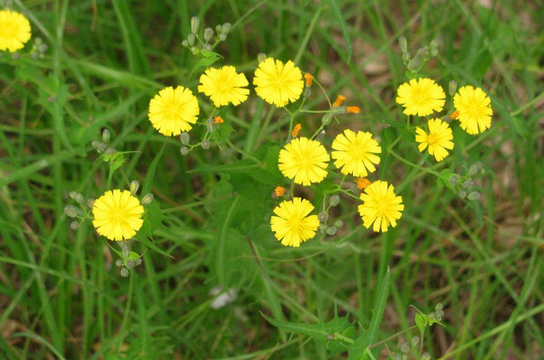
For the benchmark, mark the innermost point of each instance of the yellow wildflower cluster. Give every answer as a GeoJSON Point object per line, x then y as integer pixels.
{"type": "Point", "coordinates": [423, 97]}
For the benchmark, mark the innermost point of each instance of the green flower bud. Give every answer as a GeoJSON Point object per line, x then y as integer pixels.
{"type": "Point", "coordinates": [454, 179]}
{"type": "Point", "coordinates": [195, 24]}
{"type": "Point", "coordinates": [331, 230]}
{"type": "Point", "coordinates": [184, 151]}
{"type": "Point", "coordinates": [406, 57]}
{"type": "Point", "coordinates": [118, 263]}
{"type": "Point", "coordinates": [124, 272]}
{"type": "Point", "coordinates": [79, 199]}
{"type": "Point", "coordinates": [462, 194]}
{"type": "Point", "coordinates": [261, 57]}
{"type": "Point", "coordinates": [147, 199]}
{"type": "Point", "coordinates": [474, 195]}
{"type": "Point", "coordinates": [72, 195]}
{"type": "Point", "coordinates": [414, 341]}
{"type": "Point", "coordinates": [134, 186]}
{"type": "Point", "coordinates": [90, 203]}
{"type": "Point", "coordinates": [452, 87]}
{"type": "Point", "coordinates": [106, 135]}
{"type": "Point", "coordinates": [467, 184]}
{"type": "Point", "coordinates": [110, 151]}
{"type": "Point", "coordinates": [323, 228]}
{"type": "Point", "coordinates": [74, 225]}
{"type": "Point", "coordinates": [334, 200]}
{"type": "Point", "coordinates": [207, 47]}
{"type": "Point", "coordinates": [219, 29]}
{"type": "Point", "coordinates": [210, 125]}
{"type": "Point", "coordinates": [326, 120]}
{"type": "Point", "coordinates": [185, 43]}
{"type": "Point", "coordinates": [226, 28]}
{"type": "Point", "coordinates": [403, 43]}
{"type": "Point", "coordinates": [475, 168]}
{"type": "Point", "coordinates": [338, 224]}
{"type": "Point", "coordinates": [208, 34]}
{"type": "Point", "coordinates": [320, 136]}
{"type": "Point", "coordinates": [191, 39]}
{"type": "Point", "coordinates": [222, 37]}
{"type": "Point", "coordinates": [323, 217]}
{"type": "Point", "coordinates": [205, 144]}
{"type": "Point", "coordinates": [185, 138]}
{"type": "Point", "coordinates": [98, 146]}
{"type": "Point", "coordinates": [70, 211]}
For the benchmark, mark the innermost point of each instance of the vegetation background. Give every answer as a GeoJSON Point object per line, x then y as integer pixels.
{"type": "Point", "coordinates": [61, 296]}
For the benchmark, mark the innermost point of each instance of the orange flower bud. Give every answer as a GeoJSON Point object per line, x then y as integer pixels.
{"type": "Point", "coordinates": [363, 183]}
{"type": "Point", "coordinates": [309, 78]}
{"type": "Point", "coordinates": [339, 100]}
{"type": "Point", "coordinates": [353, 109]}
{"type": "Point", "coordinates": [455, 114]}
{"type": "Point", "coordinates": [218, 120]}
{"type": "Point", "coordinates": [279, 191]}
{"type": "Point", "coordinates": [296, 129]}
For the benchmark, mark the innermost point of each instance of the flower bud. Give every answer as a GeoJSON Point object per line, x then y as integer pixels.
{"type": "Point", "coordinates": [70, 211]}
{"type": "Point", "coordinates": [134, 186]}
{"type": "Point", "coordinates": [462, 194]}
{"type": "Point", "coordinates": [475, 168]}
{"type": "Point", "coordinates": [184, 151]}
{"type": "Point", "coordinates": [72, 195]}
{"type": "Point", "coordinates": [130, 264]}
{"type": "Point", "coordinates": [403, 43]}
{"type": "Point", "coordinates": [323, 228]}
{"type": "Point", "coordinates": [226, 28]}
{"type": "Point", "coordinates": [194, 50]}
{"type": "Point", "coordinates": [118, 263]}
{"type": "Point", "coordinates": [338, 224]}
{"type": "Point", "coordinates": [90, 202]}
{"type": "Point", "coordinates": [222, 37]}
{"type": "Point", "coordinates": [79, 199]}
{"type": "Point", "coordinates": [106, 135]}
{"type": "Point", "coordinates": [320, 136]}
{"type": "Point", "coordinates": [124, 272]}
{"type": "Point", "coordinates": [110, 151]}
{"type": "Point", "coordinates": [334, 200]}
{"type": "Point", "coordinates": [452, 87]}
{"type": "Point", "coordinates": [191, 39]}
{"type": "Point", "coordinates": [185, 138]}
{"type": "Point", "coordinates": [74, 225]}
{"type": "Point", "coordinates": [406, 57]}
{"type": "Point", "coordinates": [205, 144]}
{"type": "Point", "coordinates": [323, 217]}
{"type": "Point", "coordinates": [454, 179]}
{"type": "Point", "coordinates": [147, 199]}
{"type": "Point", "coordinates": [207, 47]}
{"type": "Point", "coordinates": [137, 261]}
{"type": "Point", "coordinates": [195, 24]}
{"type": "Point", "coordinates": [210, 125]}
{"type": "Point", "coordinates": [261, 57]}
{"type": "Point", "coordinates": [208, 34]}
{"type": "Point", "coordinates": [326, 120]}
{"type": "Point", "coordinates": [99, 146]}
{"type": "Point", "coordinates": [185, 43]}
{"type": "Point", "coordinates": [414, 341]}
{"type": "Point", "coordinates": [474, 195]}
{"type": "Point", "coordinates": [331, 230]}
{"type": "Point", "coordinates": [467, 184]}
{"type": "Point", "coordinates": [426, 356]}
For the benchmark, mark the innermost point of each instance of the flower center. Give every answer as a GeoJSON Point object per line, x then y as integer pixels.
{"type": "Point", "coordinates": [432, 139]}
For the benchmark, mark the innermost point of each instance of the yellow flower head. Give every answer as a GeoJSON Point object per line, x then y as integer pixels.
{"type": "Point", "coordinates": [173, 110]}
{"type": "Point", "coordinates": [117, 215]}
{"type": "Point", "coordinates": [421, 97]}
{"type": "Point", "coordinates": [380, 206]}
{"type": "Point", "coordinates": [293, 225]}
{"type": "Point", "coordinates": [438, 139]}
{"type": "Point", "coordinates": [278, 84]}
{"type": "Point", "coordinates": [355, 153]}
{"type": "Point", "coordinates": [304, 161]}
{"type": "Point", "coordinates": [224, 86]}
{"type": "Point", "coordinates": [474, 108]}
{"type": "Point", "coordinates": [14, 30]}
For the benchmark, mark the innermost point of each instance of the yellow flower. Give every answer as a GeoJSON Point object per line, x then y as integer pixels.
{"type": "Point", "coordinates": [278, 84]}
{"type": "Point", "coordinates": [117, 215]}
{"type": "Point", "coordinates": [380, 206]}
{"type": "Point", "coordinates": [421, 97]}
{"type": "Point", "coordinates": [438, 139]}
{"type": "Point", "coordinates": [14, 30]}
{"type": "Point", "coordinates": [474, 108]}
{"type": "Point", "coordinates": [355, 153]}
{"type": "Point", "coordinates": [293, 226]}
{"type": "Point", "coordinates": [304, 161]}
{"type": "Point", "coordinates": [173, 110]}
{"type": "Point", "coordinates": [224, 86]}
{"type": "Point", "coordinates": [339, 100]}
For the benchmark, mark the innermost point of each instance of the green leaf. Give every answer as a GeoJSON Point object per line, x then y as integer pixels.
{"type": "Point", "coordinates": [345, 31]}
{"type": "Point", "coordinates": [313, 331]}
{"type": "Point", "coordinates": [153, 218]}
{"type": "Point", "coordinates": [444, 179]}
{"type": "Point", "coordinates": [222, 132]}
{"type": "Point", "coordinates": [151, 171]}
{"type": "Point", "coordinates": [421, 323]}
{"type": "Point", "coordinates": [151, 245]}
{"type": "Point", "coordinates": [359, 348]}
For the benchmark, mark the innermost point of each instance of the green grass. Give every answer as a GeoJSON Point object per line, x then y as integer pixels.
{"type": "Point", "coordinates": [61, 294]}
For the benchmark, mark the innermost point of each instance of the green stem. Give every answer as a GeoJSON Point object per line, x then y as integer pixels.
{"type": "Point", "coordinates": [412, 164]}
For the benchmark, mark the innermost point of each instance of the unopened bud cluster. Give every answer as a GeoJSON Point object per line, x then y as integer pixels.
{"type": "Point", "coordinates": [422, 55]}
{"type": "Point", "coordinates": [205, 38]}
{"type": "Point", "coordinates": [463, 186]}
{"type": "Point", "coordinates": [38, 49]}
{"type": "Point", "coordinates": [129, 259]}
{"type": "Point", "coordinates": [323, 217]}
{"type": "Point", "coordinates": [405, 347]}
{"type": "Point", "coordinates": [79, 213]}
